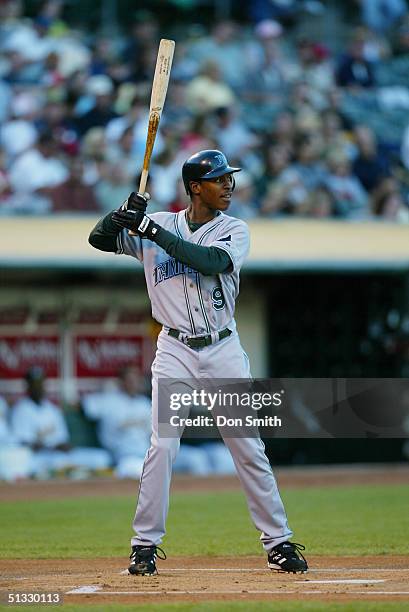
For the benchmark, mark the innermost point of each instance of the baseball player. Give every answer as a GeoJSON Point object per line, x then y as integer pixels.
{"type": "Point", "coordinates": [192, 261]}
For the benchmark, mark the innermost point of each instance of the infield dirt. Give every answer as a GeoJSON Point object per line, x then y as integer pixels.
{"type": "Point", "coordinates": [100, 581]}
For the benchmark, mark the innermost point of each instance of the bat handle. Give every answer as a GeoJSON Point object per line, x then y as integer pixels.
{"type": "Point", "coordinates": [143, 181]}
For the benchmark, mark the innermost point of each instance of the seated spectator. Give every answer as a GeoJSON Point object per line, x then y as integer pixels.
{"type": "Point", "coordinates": [333, 133]}
{"type": "Point", "coordinates": [100, 91]}
{"type": "Point", "coordinates": [243, 204]}
{"type": "Point", "coordinates": [316, 69]}
{"type": "Point", "coordinates": [94, 154]}
{"type": "Point", "coordinates": [267, 69]}
{"type": "Point", "coordinates": [387, 202]}
{"type": "Point", "coordinates": [16, 461]}
{"type": "Point", "coordinates": [288, 193]}
{"type": "Point", "coordinates": [354, 70]}
{"type": "Point", "coordinates": [369, 165]}
{"type": "Point", "coordinates": [223, 47]}
{"type": "Point", "coordinates": [124, 427]}
{"type": "Point", "coordinates": [381, 15]}
{"type": "Point", "coordinates": [351, 199]}
{"type": "Point", "coordinates": [234, 138]}
{"type": "Point", "coordinates": [321, 204]}
{"type": "Point", "coordinates": [181, 201]}
{"type": "Point", "coordinates": [115, 186]}
{"type": "Point", "coordinates": [134, 116]}
{"type": "Point", "coordinates": [123, 419]}
{"type": "Point", "coordinates": [35, 170]}
{"type": "Point", "coordinates": [391, 207]}
{"type": "Point", "coordinates": [39, 424]}
{"type": "Point", "coordinates": [276, 158]}
{"type": "Point", "coordinates": [121, 152]}
{"type": "Point", "coordinates": [208, 91]}
{"type": "Point", "coordinates": [38, 167]}
{"type": "Point", "coordinates": [73, 195]}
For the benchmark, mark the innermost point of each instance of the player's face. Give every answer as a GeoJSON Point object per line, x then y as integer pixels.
{"type": "Point", "coordinates": [215, 193]}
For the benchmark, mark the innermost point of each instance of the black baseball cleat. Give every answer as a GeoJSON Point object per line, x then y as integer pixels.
{"type": "Point", "coordinates": [287, 557]}
{"type": "Point", "coordinates": [143, 560]}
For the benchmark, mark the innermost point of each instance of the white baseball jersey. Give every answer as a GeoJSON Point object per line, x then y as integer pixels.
{"type": "Point", "coordinates": [124, 422]}
{"type": "Point", "coordinates": [43, 423]}
{"type": "Point", "coordinates": [181, 297]}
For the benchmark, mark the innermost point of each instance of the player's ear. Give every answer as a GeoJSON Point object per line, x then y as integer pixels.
{"type": "Point", "coordinates": [194, 187]}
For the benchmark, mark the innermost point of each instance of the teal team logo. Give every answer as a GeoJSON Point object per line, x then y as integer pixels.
{"type": "Point", "coordinates": [218, 298]}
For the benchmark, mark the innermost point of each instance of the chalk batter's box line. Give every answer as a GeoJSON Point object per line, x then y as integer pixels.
{"type": "Point", "coordinates": [238, 592]}
{"type": "Point", "coordinates": [262, 569]}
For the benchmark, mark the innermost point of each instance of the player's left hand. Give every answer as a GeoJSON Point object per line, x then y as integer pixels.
{"type": "Point", "coordinates": [136, 221]}
{"type": "Point", "coordinates": [135, 201]}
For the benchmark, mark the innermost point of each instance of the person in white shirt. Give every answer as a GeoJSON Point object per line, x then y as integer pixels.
{"type": "Point", "coordinates": [123, 418]}
{"type": "Point", "coordinates": [40, 425]}
{"type": "Point", "coordinates": [15, 460]}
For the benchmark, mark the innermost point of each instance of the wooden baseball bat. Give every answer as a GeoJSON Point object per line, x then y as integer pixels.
{"type": "Point", "coordinates": [159, 89]}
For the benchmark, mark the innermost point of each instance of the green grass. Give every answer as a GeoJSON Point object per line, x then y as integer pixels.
{"type": "Point", "coordinates": [363, 520]}
{"type": "Point", "coordinates": [236, 606]}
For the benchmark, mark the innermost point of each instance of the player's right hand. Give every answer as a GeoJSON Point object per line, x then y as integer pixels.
{"type": "Point", "coordinates": [135, 201]}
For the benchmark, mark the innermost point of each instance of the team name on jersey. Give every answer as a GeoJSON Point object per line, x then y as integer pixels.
{"type": "Point", "coordinates": [168, 269]}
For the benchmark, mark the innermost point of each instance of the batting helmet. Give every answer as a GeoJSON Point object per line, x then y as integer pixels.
{"type": "Point", "coordinates": [205, 165]}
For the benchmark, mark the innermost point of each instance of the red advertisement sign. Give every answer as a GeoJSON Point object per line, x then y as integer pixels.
{"type": "Point", "coordinates": [99, 356]}
{"type": "Point", "coordinates": [18, 353]}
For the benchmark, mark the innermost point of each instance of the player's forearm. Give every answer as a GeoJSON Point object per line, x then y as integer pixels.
{"type": "Point", "coordinates": [206, 260]}
{"type": "Point", "coordinates": [104, 235]}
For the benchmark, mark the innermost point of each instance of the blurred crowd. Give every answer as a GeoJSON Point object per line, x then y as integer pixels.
{"type": "Point", "coordinates": [319, 132]}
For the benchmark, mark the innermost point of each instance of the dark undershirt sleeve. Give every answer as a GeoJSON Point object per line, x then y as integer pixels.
{"type": "Point", "coordinates": [104, 235]}
{"type": "Point", "coordinates": [206, 260]}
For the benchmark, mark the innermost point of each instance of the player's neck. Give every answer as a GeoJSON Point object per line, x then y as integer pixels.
{"type": "Point", "coordinates": [200, 214]}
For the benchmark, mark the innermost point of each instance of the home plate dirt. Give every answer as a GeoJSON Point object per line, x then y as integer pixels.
{"type": "Point", "coordinates": [209, 578]}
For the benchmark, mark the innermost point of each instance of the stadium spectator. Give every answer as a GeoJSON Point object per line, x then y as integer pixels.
{"type": "Point", "coordinates": [303, 175]}
{"type": "Point", "coordinates": [243, 204]}
{"type": "Point", "coordinates": [207, 91]}
{"type": "Point", "coordinates": [16, 461]}
{"type": "Point", "coordinates": [369, 165]}
{"type": "Point", "coordinates": [320, 204]}
{"type": "Point", "coordinates": [232, 134]}
{"type": "Point", "coordinates": [315, 67]}
{"type": "Point", "coordinates": [94, 152]}
{"type": "Point", "coordinates": [114, 185]}
{"type": "Point", "coordinates": [73, 194]}
{"type": "Point", "coordinates": [222, 47]}
{"type": "Point", "coordinates": [265, 61]}
{"type": "Point", "coordinates": [123, 422]}
{"type": "Point", "coordinates": [181, 200]}
{"type": "Point", "coordinates": [354, 70]}
{"type": "Point", "coordinates": [39, 424]}
{"type": "Point", "coordinates": [99, 91]}
{"type": "Point", "coordinates": [387, 201]}
{"type": "Point", "coordinates": [143, 35]}
{"type": "Point", "coordinates": [38, 168]}
{"type": "Point", "coordinates": [351, 199]}
{"type": "Point", "coordinates": [273, 189]}
{"type": "Point", "coordinates": [381, 15]}
{"type": "Point", "coordinates": [134, 114]}
{"type": "Point", "coordinates": [333, 134]}
{"type": "Point", "coordinates": [123, 416]}
{"type": "Point", "coordinates": [391, 207]}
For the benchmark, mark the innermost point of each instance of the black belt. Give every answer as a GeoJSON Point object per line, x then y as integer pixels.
{"type": "Point", "coordinates": [197, 342]}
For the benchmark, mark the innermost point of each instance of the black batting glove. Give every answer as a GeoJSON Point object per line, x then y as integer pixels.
{"type": "Point", "coordinates": [135, 201]}
{"type": "Point", "coordinates": [137, 222]}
